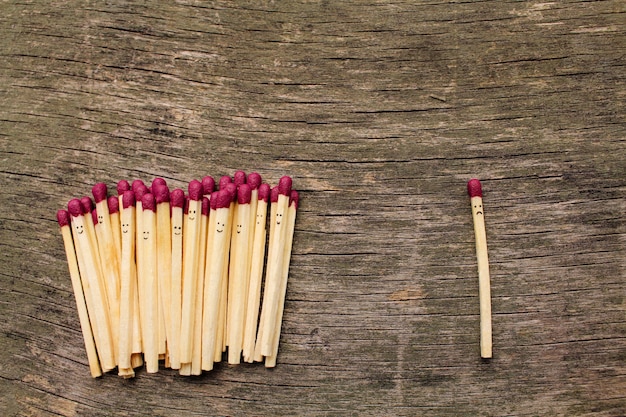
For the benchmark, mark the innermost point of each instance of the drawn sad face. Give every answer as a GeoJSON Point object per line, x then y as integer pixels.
{"type": "Point", "coordinates": [477, 207]}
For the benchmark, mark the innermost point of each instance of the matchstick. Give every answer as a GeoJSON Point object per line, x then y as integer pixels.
{"type": "Point", "coordinates": [164, 258]}
{"type": "Point", "coordinates": [484, 292]}
{"type": "Point", "coordinates": [150, 294]}
{"type": "Point", "coordinates": [213, 283]}
{"type": "Point", "coordinates": [63, 218]}
{"type": "Point", "coordinates": [177, 201]}
{"type": "Point", "coordinates": [196, 360]}
{"type": "Point", "coordinates": [238, 277]}
{"type": "Point", "coordinates": [114, 213]}
{"type": "Point", "coordinates": [190, 270]}
{"type": "Point", "coordinates": [108, 256]}
{"type": "Point", "coordinates": [140, 189]}
{"type": "Point", "coordinates": [128, 285]}
{"type": "Point", "coordinates": [275, 264]}
{"type": "Point", "coordinates": [256, 273]}
{"type": "Point", "coordinates": [270, 361]}
{"type": "Point", "coordinates": [95, 292]}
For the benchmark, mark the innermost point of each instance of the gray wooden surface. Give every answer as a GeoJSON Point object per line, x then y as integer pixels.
{"type": "Point", "coordinates": [381, 112]}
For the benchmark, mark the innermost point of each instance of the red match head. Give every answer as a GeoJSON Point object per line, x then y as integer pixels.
{"type": "Point", "coordinates": [177, 198]}
{"type": "Point", "coordinates": [274, 195]}
{"type": "Point", "coordinates": [148, 202]}
{"type": "Point", "coordinates": [208, 184]}
{"type": "Point", "coordinates": [239, 178]}
{"type": "Point", "coordinates": [99, 192]}
{"type": "Point", "coordinates": [63, 217]}
{"type": "Point", "coordinates": [231, 189]}
{"type": "Point", "coordinates": [264, 192]}
{"type": "Point", "coordinates": [87, 204]}
{"type": "Point", "coordinates": [137, 184]}
{"type": "Point", "coordinates": [224, 181]}
{"type": "Point", "coordinates": [157, 182]}
{"type": "Point", "coordinates": [213, 201]}
{"type": "Point", "coordinates": [114, 204]}
{"type": "Point", "coordinates": [128, 199]}
{"type": "Point", "coordinates": [161, 193]}
{"type": "Point", "coordinates": [254, 180]}
{"type": "Point", "coordinates": [195, 189]}
{"type": "Point", "coordinates": [223, 200]}
{"type": "Point", "coordinates": [140, 191]}
{"type": "Point", "coordinates": [122, 186]}
{"type": "Point", "coordinates": [94, 217]}
{"type": "Point", "coordinates": [474, 189]}
{"type": "Point", "coordinates": [75, 207]}
{"type": "Point", "coordinates": [284, 185]}
{"type": "Point", "coordinates": [244, 194]}
{"type": "Point", "coordinates": [294, 199]}
{"type": "Point", "coordinates": [205, 206]}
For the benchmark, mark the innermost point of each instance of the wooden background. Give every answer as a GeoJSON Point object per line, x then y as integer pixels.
{"type": "Point", "coordinates": [381, 112]}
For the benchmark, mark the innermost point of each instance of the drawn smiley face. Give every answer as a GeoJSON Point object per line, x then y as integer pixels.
{"type": "Point", "coordinates": [192, 215]}
{"type": "Point", "coordinates": [146, 234]}
{"type": "Point", "coordinates": [178, 230]}
{"type": "Point", "coordinates": [279, 218]}
{"type": "Point", "coordinates": [218, 225]}
{"type": "Point", "coordinates": [100, 219]}
{"type": "Point", "coordinates": [125, 227]}
{"type": "Point", "coordinates": [239, 227]}
{"type": "Point", "coordinates": [80, 229]}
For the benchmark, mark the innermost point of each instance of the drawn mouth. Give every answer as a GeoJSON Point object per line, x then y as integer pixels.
{"type": "Point", "coordinates": [80, 232]}
{"type": "Point", "coordinates": [277, 223]}
{"type": "Point", "coordinates": [192, 218]}
{"type": "Point", "coordinates": [124, 231]}
{"type": "Point", "coordinates": [177, 233]}
{"type": "Point", "coordinates": [479, 212]}
{"type": "Point", "coordinates": [220, 231]}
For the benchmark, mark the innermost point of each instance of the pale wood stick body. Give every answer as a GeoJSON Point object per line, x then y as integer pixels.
{"type": "Point", "coordinates": [222, 320]}
{"type": "Point", "coordinates": [196, 361]}
{"type": "Point", "coordinates": [229, 268]}
{"type": "Point", "coordinates": [273, 278]}
{"type": "Point", "coordinates": [484, 291]}
{"type": "Point", "coordinates": [127, 289]}
{"type": "Point", "coordinates": [137, 334]}
{"type": "Point", "coordinates": [115, 219]}
{"type": "Point", "coordinates": [151, 294]}
{"type": "Point", "coordinates": [212, 288]}
{"type": "Point", "coordinates": [258, 356]}
{"type": "Point", "coordinates": [238, 283]}
{"type": "Point", "coordinates": [191, 236]}
{"type": "Point", "coordinates": [270, 360]}
{"type": "Point", "coordinates": [81, 306]}
{"type": "Point", "coordinates": [95, 292]}
{"type": "Point", "coordinates": [256, 279]}
{"type": "Point", "coordinates": [164, 271]}
{"type": "Point", "coordinates": [176, 286]}
{"type": "Point", "coordinates": [140, 273]}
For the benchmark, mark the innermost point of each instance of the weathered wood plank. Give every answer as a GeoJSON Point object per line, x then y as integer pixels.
{"type": "Point", "coordinates": [381, 112]}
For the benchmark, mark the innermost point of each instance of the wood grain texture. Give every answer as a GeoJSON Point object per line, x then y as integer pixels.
{"type": "Point", "coordinates": [380, 111]}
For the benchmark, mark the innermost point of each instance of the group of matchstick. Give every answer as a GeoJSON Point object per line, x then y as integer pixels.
{"type": "Point", "coordinates": [161, 275]}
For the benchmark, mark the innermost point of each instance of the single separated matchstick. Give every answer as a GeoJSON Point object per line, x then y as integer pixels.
{"type": "Point", "coordinates": [484, 293]}
{"type": "Point", "coordinates": [294, 198]}
{"type": "Point", "coordinates": [63, 217]}
{"type": "Point", "coordinates": [164, 258]}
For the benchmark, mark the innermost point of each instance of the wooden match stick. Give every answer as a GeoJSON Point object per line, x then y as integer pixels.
{"type": "Point", "coordinates": [238, 277]}
{"type": "Point", "coordinates": [177, 202]}
{"type": "Point", "coordinates": [213, 283]}
{"type": "Point", "coordinates": [196, 360]}
{"type": "Point", "coordinates": [128, 285]}
{"type": "Point", "coordinates": [222, 327]}
{"type": "Point", "coordinates": [190, 270]}
{"type": "Point", "coordinates": [150, 294]}
{"type": "Point", "coordinates": [256, 273]}
{"type": "Point", "coordinates": [93, 286]}
{"type": "Point", "coordinates": [108, 257]}
{"type": "Point", "coordinates": [164, 258]}
{"type": "Point", "coordinates": [275, 265]}
{"type": "Point", "coordinates": [63, 218]}
{"type": "Point", "coordinates": [484, 292]}
{"type": "Point", "coordinates": [270, 361]}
